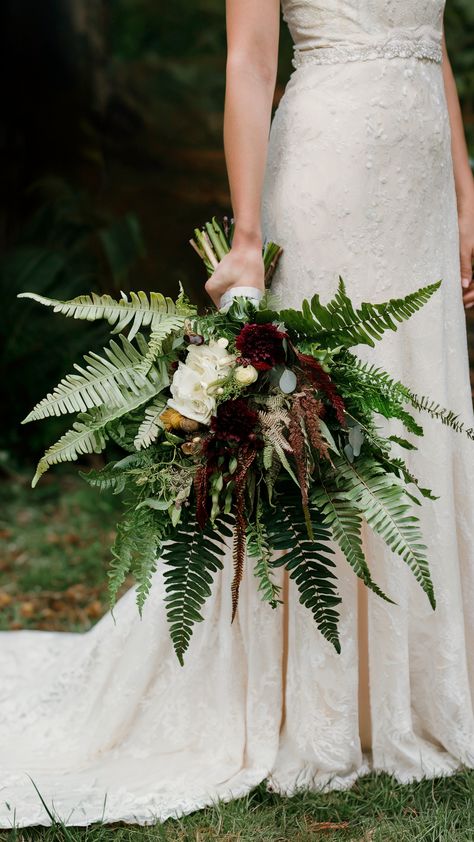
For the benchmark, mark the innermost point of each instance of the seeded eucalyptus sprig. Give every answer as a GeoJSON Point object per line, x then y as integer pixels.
{"type": "Point", "coordinates": [214, 241]}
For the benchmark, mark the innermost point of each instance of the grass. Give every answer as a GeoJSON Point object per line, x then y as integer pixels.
{"type": "Point", "coordinates": [53, 575]}
{"type": "Point", "coordinates": [55, 550]}
{"type": "Point", "coordinates": [374, 810]}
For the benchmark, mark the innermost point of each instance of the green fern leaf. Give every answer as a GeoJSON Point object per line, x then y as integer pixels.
{"type": "Point", "coordinates": [258, 547]}
{"type": "Point", "coordinates": [97, 384]}
{"type": "Point", "coordinates": [137, 543]}
{"type": "Point", "coordinates": [109, 478]}
{"type": "Point", "coordinates": [308, 562]}
{"type": "Point", "coordinates": [370, 389]}
{"type": "Point", "coordinates": [150, 426]}
{"type": "Point", "coordinates": [160, 331]}
{"type": "Point", "coordinates": [192, 558]}
{"type": "Point", "coordinates": [382, 500]}
{"type": "Point", "coordinates": [440, 413]}
{"type": "Point", "coordinates": [339, 323]}
{"type": "Point", "coordinates": [89, 434]}
{"type": "Point", "coordinates": [82, 438]}
{"type": "Point", "coordinates": [136, 312]}
{"type": "Point", "coordinates": [345, 523]}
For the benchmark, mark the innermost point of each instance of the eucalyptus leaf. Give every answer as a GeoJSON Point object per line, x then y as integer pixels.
{"type": "Point", "coordinates": [288, 381]}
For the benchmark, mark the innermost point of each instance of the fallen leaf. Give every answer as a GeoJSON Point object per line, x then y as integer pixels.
{"type": "Point", "coordinates": [321, 826]}
{"type": "Point", "coordinates": [27, 609]}
{"type": "Point", "coordinates": [95, 609]}
{"type": "Point", "coordinates": [5, 599]}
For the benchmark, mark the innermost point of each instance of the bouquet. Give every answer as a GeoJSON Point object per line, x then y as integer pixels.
{"type": "Point", "coordinates": [256, 426]}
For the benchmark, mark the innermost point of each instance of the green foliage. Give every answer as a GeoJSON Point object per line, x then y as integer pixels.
{"type": "Point", "coordinates": [59, 251]}
{"type": "Point", "coordinates": [308, 561]}
{"type": "Point", "coordinates": [371, 389]}
{"type": "Point", "coordinates": [340, 324]}
{"type": "Point", "coordinates": [440, 413]}
{"type": "Point", "coordinates": [150, 427]}
{"type": "Point", "coordinates": [459, 27]}
{"type": "Point", "coordinates": [90, 432]}
{"type": "Point", "coordinates": [106, 479]}
{"type": "Point", "coordinates": [138, 311]}
{"type": "Point", "coordinates": [367, 388]}
{"type": "Point", "coordinates": [382, 500]}
{"type": "Point", "coordinates": [101, 381]}
{"type": "Point", "coordinates": [139, 536]}
{"type": "Point", "coordinates": [192, 559]}
{"type": "Point", "coordinates": [258, 548]}
{"type": "Point", "coordinates": [345, 522]}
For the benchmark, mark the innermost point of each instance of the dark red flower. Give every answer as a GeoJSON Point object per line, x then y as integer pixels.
{"type": "Point", "coordinates": [261, 346]}
{"type": "Point", "coordinates": [235, 422]}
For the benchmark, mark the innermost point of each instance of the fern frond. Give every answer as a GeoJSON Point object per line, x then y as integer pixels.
{"type": "Point", "coordinates": [89, 434]}
{"type": "Point", "coordinates": [136, 312]}
{"type": "Point", "coordinates": [345, 523]}
{"type": "Point", "coordinates": [371, 389]}
{"type": "Point", "coordinates": [382, 500]}
{"type": "Point", "coordinates": [339, 323]}
{"type": "Point", "coordinates": [150, 426]}
{"type": "Point", "coordinates": [82, 438]}
{"type": "Point", "coordinates": [192, 559]}
{"type": "Point", "coordinates": [109, 478]}
{"type": "Point", "coordinates": [97, 384]}
{"type": "Point", "coordinates": [138, 539]}
{"type": "Point", "coordinates": [258, 547]}
{"type": "Point", "coordinates": [440, 413]}
{"type": "Point", "coordinates": [161, 329]}
{"type": "Point", "coordinates": [308, 562]}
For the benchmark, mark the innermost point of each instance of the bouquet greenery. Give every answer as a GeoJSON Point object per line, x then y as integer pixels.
{"type": "Point", "coordinates": [256, 426]}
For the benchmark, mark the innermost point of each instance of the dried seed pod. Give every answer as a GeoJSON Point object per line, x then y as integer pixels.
{"type": "Point", "coordinates": [188, 425]}
{"type": "Point", "coordinates": [191, 448]}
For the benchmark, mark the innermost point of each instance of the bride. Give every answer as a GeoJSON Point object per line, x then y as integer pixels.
{"type": "Point", "coordinates": [366, 175]}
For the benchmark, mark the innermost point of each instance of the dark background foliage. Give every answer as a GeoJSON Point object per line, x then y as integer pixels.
{"type": "Point", "coordinates": [112, 154]}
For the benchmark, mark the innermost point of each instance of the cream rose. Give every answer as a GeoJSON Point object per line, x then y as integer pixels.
{"type": "Point", "coordinates": [189, 397]}
{"type": "Point", "coordinates": [196, 381]}
{"type": "Point", "coordinates": [245, 375]}
{"type": "Point", "coordinates": [212, 359]}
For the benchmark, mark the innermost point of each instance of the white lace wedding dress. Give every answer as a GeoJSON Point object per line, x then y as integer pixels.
{"type": "Point", "coordinates": [107, 724]}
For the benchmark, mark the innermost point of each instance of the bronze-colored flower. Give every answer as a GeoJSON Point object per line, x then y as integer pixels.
{"type": "Point", "coordinates": [172, 420]}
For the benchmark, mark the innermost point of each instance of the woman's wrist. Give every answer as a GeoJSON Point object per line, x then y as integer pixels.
{"type": "Point", "coordinates": [247, 238]}
{"type": "Point", "coordinates": [465, 196]}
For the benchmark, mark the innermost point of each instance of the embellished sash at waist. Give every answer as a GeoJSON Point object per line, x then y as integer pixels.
{"type": "Point", "coordinates": [419, 48]}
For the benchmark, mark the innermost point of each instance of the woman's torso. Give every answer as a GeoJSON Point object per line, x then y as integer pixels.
{"type": "Point", "coordinates": [365, 24]}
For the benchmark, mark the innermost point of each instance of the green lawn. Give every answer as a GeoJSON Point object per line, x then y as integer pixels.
{"type": "Point", "coordinates": [52, 575]}
{"type": "Point", "coordinates": [375, 810]}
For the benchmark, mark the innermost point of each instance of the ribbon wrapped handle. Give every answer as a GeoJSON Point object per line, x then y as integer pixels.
{"type": "Point", "coordinates": [251, 293]}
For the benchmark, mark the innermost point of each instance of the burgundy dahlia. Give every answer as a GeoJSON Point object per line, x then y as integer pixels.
{"type": "Point", "coordinates": [235, 422]}
{"type": "Point", "coordinates": [261, 346]}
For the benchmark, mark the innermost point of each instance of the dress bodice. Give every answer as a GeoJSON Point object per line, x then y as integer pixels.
{"type": "Point", "coordinates": [339, 29]}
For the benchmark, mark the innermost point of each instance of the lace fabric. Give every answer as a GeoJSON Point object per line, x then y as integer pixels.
{"type": "Point", "coordinates": [341, 53]}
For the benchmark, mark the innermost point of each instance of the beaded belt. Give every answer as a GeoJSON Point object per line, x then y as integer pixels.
{"type": "Point", "coordinates": [342, 53]}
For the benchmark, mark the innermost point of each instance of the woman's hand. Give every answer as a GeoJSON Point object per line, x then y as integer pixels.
{"type": "Point", "coordinates": [242, 267]}
{"type": "Point", "coordinates": [466, 236]}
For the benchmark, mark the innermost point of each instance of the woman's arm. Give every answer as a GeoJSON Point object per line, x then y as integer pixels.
{"type": "Point", "coordinates": [252, 38]}
{"type": "Point", "coordinates": [464, 181]}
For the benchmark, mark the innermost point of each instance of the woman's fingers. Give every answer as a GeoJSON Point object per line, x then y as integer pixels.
{"type": "Point", "coordinates": [468, 298]}
{"type": "Point", "coordinates": [467, 256]}
{"type": "Point", "coordinates": [466, 264]}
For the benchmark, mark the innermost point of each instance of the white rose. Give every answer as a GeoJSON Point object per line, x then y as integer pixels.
{"type": "Point", "coordinates": [189, 397]}
{"type": "Point", "coordinates": [197, 380]}
{"type": "Point", "coordinates": [245, 375]}
{"type": "Point", "coordinates": [211, 361]}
